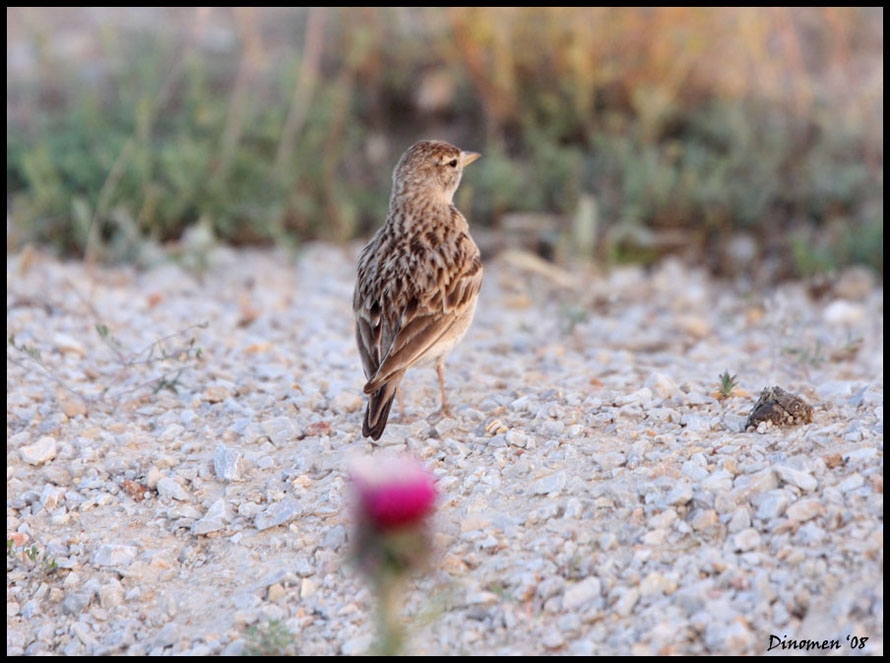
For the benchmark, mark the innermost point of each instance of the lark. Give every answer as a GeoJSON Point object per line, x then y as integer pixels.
{"type": "Point", "coordinates": [418, 278]}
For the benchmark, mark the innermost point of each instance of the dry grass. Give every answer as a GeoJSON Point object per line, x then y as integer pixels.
{"type": "Point", "coordinates": [684, 125]}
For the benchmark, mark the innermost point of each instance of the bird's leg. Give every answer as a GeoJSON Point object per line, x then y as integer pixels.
{"type": "Point", "coordinates": [440, 370]}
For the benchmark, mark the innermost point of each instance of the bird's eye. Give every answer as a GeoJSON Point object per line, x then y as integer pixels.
{"type": "Point", "coordinates": [453, 163]}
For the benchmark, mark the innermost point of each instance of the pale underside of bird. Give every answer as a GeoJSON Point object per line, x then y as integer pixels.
{"type": "Point", "coordinates": [418, 278]}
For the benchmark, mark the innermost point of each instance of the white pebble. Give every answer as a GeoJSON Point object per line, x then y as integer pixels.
{"type": "Point", "coordinates": [802, 480]}
{"type": "Point", "coordinates": [747, 539]}
{"type": "Point", "coordinates": [804, 510]}
{"type": "Point", "coordinates": [42, 451]}
{"type": "Point", "coordinates": [844, 313]}
{"type": "Point", "coordinates": [113, 554]}
{"type": "Point", "coordinates": [581, 593]}
{"type": "Point", "coordinates": [169, 487]}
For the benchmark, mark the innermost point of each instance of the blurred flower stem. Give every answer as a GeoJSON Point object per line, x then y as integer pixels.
{"type": "Point", "coordinates": [388, 588]}
{"type": "Point", "coordinates": [394, 497]}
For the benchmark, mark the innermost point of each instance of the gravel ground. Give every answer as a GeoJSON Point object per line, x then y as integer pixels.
{"type": "Point", "coordinates": [177, 442]}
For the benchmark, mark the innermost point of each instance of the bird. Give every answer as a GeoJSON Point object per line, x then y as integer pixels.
{"type": "Point", "coordinates": [418, 278]}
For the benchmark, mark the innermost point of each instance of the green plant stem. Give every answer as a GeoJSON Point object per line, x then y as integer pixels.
{"type": "Point", "coordinates": [390, 630]}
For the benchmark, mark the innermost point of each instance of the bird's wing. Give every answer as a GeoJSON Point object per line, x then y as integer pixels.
{"type": "Point", "coordinates": [367, 336]}
{"type": "Point", "coordinates": [367, 305]}
{"type": "Point", "coordinates": [406, 336]}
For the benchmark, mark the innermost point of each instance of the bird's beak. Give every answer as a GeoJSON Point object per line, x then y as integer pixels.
{"type": "Point", "coordinates": [469, 157]}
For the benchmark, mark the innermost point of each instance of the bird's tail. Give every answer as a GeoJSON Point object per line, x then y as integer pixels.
{"type": "Point", "coordinates": [377, 412]}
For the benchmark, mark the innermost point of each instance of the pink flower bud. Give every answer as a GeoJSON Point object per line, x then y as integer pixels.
{"type": "Point", "coordinates": [392, 492]}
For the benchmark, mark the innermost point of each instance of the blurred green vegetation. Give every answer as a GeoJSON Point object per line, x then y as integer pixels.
{"type": "Point", "coordinates": [686, 126]}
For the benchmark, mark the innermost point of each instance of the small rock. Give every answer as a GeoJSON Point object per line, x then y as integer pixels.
{"type": "Point", "coordinates": [663, 520]}
{"type": "Point", "coordinates": [167, 635]}
{"type": "Point", "coordinates": [802, 480]}
{"type": "Point", "coordinates": [67, 344]}
{"type": "Point", "coordinates": [697, 423]}
{"type": "Point", "coordinates": [228, 464]}
{"type": "Point", "coordinates": [852, 482]}
{"type": "Point", "coordinates": [72, 406]}
{"type": "Point", "coordinates": [214, 520]}
{"type": "Point", "coordinates": [169, 487]}
{"type": "Point", "coordinates": [746, 486]}
{"type": "Point", "coordinates": [738, 636]}
{"type": "Point", "coordinates": [779, 407]}
{"type": "Point", "coordinates": [552, 428]}
{"type": "Point", "coordinates": [216, 394]}
{"type": "Point", "coordinates": [569, 624]}
{"type": "Point", "coordinates": [550, 485]}
{"type": "Point", "coordinates": [718, 481]}
{"type": "Point", "coordinates": [704, 519]}
{"type": "Point", "coordinates": [276, 592]}
{"type": "Point", "coordinates": [694, 471]}
{"type": "Point", "coordinates": [516, 438]}
{"type": "Point", "coordinates": [114, 554]}
{"type": "Point", "coordinates": [582, 592]}
{"type": "Point", "coordinates": [655, 537]}
{"type": "Point", "coordinates": [111, 594]}
{"type": "Point", "coordinates": [277, 514]}
{"type": "Point", "coordinates": [861, 455]}
{"type": "Point", "coordinates": [811, 534]}
{"type": "Point", "coordinates": [80, 629]}
{"type": "Point", "coordinates": [308, 587]}
{"type": "Point", "coordinates": [643, 395]}
{"type": "Point", "coordinates": [680, 494]}
{"type": "Point", "coordinates": [625, 605]}
{"type": "Point", "coordinates": [663, 386]}
{"type": "Point", "coordinates": [610, 460]}
{"type": "Point", "coordinates": [740, 520]}
{"type": "Point", "coordinates": [747, 539]}
{"type": "Point", "coordinates": [51, 495]}
{"type": "Point", "coordinates": [844, 313]}
{"type": "Point", "coordinates": [42, 451]}
{"type": "Point", "coordinates": [281, 430]}
{"type": "Point", "coordinates": [773, 505]}
{"type": "Point", "coordinates": [334, 538]}
{"type": "Point", "coordinates": [804, 510]}
{"type": "Point", "coordinates": [553, 639]}
{"type": "Point", "coordinates": [656, 583]}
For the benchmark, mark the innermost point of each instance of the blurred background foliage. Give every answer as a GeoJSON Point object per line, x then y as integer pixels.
{"type": "Point", "coordinates": [736, 138]}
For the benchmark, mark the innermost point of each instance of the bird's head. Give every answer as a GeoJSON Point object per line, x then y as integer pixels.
{"type": "Point", "coordinates": [431, 165]}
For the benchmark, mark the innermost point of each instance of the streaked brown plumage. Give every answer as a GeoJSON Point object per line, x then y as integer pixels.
{"type": "Point", "coordinates": [418, 278]}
